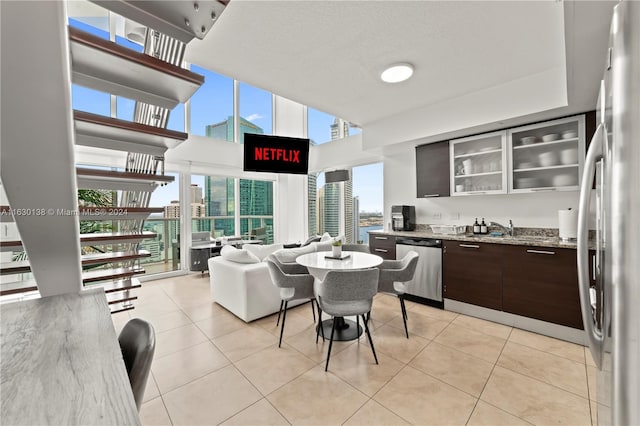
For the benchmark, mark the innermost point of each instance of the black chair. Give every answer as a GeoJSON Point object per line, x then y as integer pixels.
{"type": "Point", "coordinates": [138, 343]}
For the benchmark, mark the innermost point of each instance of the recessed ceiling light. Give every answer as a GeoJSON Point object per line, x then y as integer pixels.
{"type": "Point", "coordinates": [397, 73]}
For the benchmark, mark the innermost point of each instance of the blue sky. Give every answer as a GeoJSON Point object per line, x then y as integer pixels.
{"type": "Point", "coordinates": [213, 103]}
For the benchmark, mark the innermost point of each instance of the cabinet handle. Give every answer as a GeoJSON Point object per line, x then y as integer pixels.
{"type": "Point", "coordinates": [543, 189]}
{"type": "Point", "coordinates": [381, 238]}
{"type": "Point", "coordinates": [593, 267]}
{"type": "Point", "coordinates": [478, 192]}
{"type": "Point", "coordinates": [475, 246]}
{"type": "Point", "coordinates": [381, 250]}
{"type": "Point", "coordinates": [541, 252]}
{"type": "Point", "coordinates": [430, 195]}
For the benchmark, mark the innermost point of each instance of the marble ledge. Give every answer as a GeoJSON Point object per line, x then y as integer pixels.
{"type": "Point", "coordinates": [535, 237]}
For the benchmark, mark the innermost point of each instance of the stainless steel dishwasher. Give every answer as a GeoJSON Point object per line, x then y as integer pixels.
{"type": "Point", "coordinates": [426, 285]}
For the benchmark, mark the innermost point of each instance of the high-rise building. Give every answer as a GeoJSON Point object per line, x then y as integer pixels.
{"type": "Point", "coordinates": [338, 212]}
{"type": "Point", "coordinates": [256, 197]}
{"type": "Point", "coordinates": [196, 193]}
{"type": "Point", "coordinates": [335, 129]}
{"type": "Point", "coordinates": [224, 129]}
{"type": "Point", "coordinates": [332, 208]}
{"type": "Point", "coordinates": [348, 209]}
{"type": "Point", "coordinates": [172, 211]}
{"type": "Point", "coordinates": [312, 182]}
{"type": "Point", "coordinates": [320, 212]}
{"type": "Point", "coordinates": [356, 219]}
{"type": "Point", "coordinates": [219, 203]}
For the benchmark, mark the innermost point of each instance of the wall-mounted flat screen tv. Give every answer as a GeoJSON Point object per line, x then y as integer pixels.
{"type": "Point", "coordinates": [276, 154]}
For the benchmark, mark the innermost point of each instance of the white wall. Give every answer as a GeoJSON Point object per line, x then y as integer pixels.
{"type": "Point", "coordinates": [290, 196]}
{"type": "Point", "coordinates": [533, 94]}
{"type": "Point", "coordinates": [342, 153]}
{"type": "Point", "coordinates": [525, 210]}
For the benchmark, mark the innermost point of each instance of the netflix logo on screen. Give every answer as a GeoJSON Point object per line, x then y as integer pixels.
{"type": "Point", "coordinates": [277, 154]}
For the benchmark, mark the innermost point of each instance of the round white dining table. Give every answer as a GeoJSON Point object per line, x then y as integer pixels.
{"type": "Point", "coordinates": [319, 264]}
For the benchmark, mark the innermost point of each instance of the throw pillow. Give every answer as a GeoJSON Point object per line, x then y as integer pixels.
{"type": "Point", "coordinates": [325, 237]}
{"type": "Point", "coordinates": [239, 256]}
{"type": "Point", "coordinates": [261, 251]}
{"type": "Point", "coordinates": [313, 239]}
{"type": "Point", "coordinates": [290, 255]}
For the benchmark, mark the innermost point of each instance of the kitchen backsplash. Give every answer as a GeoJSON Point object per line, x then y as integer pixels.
{"type": "Point", "coordinates": [520, 232]}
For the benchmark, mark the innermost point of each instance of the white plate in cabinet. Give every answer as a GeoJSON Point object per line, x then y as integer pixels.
{"type": "Point", "coordinates": [546, 156]}
{"type": "Point", "coordinates": [478, 164]}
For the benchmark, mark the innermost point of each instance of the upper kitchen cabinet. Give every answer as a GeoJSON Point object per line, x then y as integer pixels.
{"type": "Point", "coordinates": [478, 164]}
{"type": "Point", "coordinates": [432, 170]}
{"type": "Point", "coordinates": [547, 156]}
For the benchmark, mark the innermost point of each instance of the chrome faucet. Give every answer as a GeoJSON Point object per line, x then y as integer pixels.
{"type": "Point", "coordinates": [508, 229]}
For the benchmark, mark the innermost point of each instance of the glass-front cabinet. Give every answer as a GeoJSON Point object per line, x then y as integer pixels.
{"type": "Point", "coordinates": [478, 164]}
{"type": "Point", "coordinates": [547, 156]}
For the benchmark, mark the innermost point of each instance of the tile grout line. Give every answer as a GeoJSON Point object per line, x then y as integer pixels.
{"type": "Point", "coordinates": [489, 378]}
{"type": "Point", "coordinates": [545, 382]}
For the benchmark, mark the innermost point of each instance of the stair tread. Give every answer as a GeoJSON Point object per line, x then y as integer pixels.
{"type": "Point", "coordinates": [102, 237]}
{"type": "Point", "coordinates": [6, 214]}
{"type": "Point", "coordinates": [123, 175]}
{"type": "Point", "coordinates": [124, 296]}
{"type": "Point", "coordinates": [111, 133]}
{"type": "Point", "coordinates": [97, 238]}
{"type": "Point", "coordinates": [121, 307]}
{"type": "Point", "coordinates": [117, 285]}
{"type": "Point", "coordinates": [11, 245]}
{"type": "Point", "coordinates": [109, 274]}
{"type": "Point", "coordinates": [117, 213]}
{"type": "Point", "coordinates": [119, 180]}
{"type": "Point", "coordinates": [112, 68]}
{"type": "Point", "coordinates": [120, 285]}
{"type": "Point", "coordinates": [19, 267]}
{"type": "Point", "coordinates": [114, 256]}
{"type": "Point", "coordinates": [18, 287]}
{"type": "Point", "coordinates": [169, 17]}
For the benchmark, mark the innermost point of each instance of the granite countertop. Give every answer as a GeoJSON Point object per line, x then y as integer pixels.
{"type": "Point", "coordinates": [540, 240]}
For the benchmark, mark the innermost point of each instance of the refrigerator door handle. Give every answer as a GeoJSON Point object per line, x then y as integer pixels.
{"type": "Point", "coordinates": [594, 154]}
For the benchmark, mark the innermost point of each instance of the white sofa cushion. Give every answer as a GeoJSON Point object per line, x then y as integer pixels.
{"type": "Point", "coordinates": [246, 290]}
{"type": "Point", "coordinates": [289, 255]}
{"type": "Point", "coordinates": [261, 251]}
{"type": "Point", "coordinates": [239, 256]}
{"type": "Point", "coordinates": [325, 237]}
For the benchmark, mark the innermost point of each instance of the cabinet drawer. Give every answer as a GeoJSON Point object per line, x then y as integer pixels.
{"type": "Point", "coordinates": [383, 245]}
{"type": "Point", "coordinates": [542, 283]}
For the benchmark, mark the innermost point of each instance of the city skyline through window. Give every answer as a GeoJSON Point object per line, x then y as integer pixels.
{"type": "Point", "coordinates": [211, 114]}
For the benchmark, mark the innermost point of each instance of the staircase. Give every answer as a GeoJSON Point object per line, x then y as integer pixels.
{"type": "Point", "coordinates": [155, 80]}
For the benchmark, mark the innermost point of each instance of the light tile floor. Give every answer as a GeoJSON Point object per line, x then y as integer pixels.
{"type": "Point", "coordinates": [212, 368]}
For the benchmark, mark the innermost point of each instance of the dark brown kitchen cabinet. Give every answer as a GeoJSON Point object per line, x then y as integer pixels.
{"type": "Point", "coordinates": [383, 245]}
{"type": "Point", "coordinates": [432, 170]}
{"type": "Point", "coordinates": [472, 273]}
{"type": "Point", "coordinates": [541, 283]}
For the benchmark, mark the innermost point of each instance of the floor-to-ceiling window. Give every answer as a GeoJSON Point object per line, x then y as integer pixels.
{"type": "Point", "coordinates": [213, 205]}
{"type": "Point", "coordinates": [256, 209]}
{"type": "Point", "coordinates": [255, 111]}
{"type": "Point", "coordinates": [165, 247]}
{"type": "Point", "coordinates": [332, 206]}
{"type": "Point", "coordinates": [368, 204]}
{"type": "Point", "coordinates": [211, 107]}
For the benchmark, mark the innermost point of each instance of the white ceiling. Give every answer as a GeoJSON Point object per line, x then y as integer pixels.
{"type": "Point", "coordinates": [329, 54]}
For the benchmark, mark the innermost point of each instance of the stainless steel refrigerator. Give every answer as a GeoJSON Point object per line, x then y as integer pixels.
{"type": "Point", "coordinates": [611, 306]}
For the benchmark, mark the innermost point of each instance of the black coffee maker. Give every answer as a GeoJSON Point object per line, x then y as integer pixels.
{"type": "Point", "coordinates": [403, 218]}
